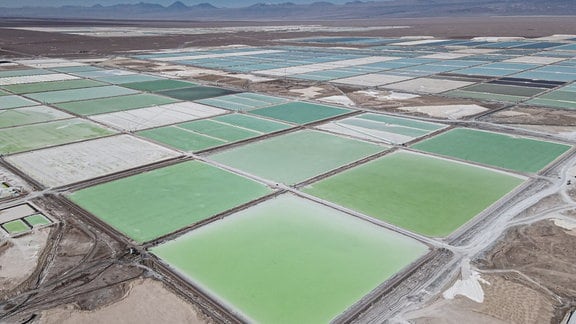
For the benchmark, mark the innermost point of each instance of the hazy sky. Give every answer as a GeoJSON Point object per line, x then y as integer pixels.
{"type": "Point", "coordinates": [217, 3]}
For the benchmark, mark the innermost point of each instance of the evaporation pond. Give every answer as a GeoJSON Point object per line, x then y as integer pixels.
{"type": "Point", "coordinates": [35, 136]}
{"type": "Point", "coordinates": [289, 260]}
{"type": "Point", "coordinates": [37, 220]}
{"type": "Point", "coordinates": [295, 157]}
{"type": "Point", "coordinates": [196, 93]}
{"type": "Point", "coordinates": [52, 86]}
{"type": "Point", "coordinates": [155, 203]}
{"type": "Point", "coordinates": [15, 227]}
{"type": "Point", "coordinates": [300, 112]}
{"type": "Point", "coordinates": [113, 104]}
{"type": "Point", "coordinates": [29, 115]}
{"type": "Point", "coordinates": [501, 150]}
{"type": "Point", "coordinates": [427, 195]}
{"type": "Point", "coordinates": [158, 85]}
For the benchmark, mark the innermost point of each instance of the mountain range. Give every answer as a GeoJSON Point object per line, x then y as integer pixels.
{"type": "Point", "coordinates": [315, 11]}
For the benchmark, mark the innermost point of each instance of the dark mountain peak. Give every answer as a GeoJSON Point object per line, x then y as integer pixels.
{"type": "Point", "coordinates": [322, 4]}
{"type": "Point", "coordinates": [149, 5]}
{"type": "Point", "coordinates": [178, 5]}
{"type": "Point", "coordinates": [259, 5]}
{"type": "Point", "coordinates": [204, 6]}
{"type": "Point", "coordinates": [358, 3]}
{"type": "Point", "coordinates": [272, 5]}
{"type": "Point", "coordinates": [137, 6]}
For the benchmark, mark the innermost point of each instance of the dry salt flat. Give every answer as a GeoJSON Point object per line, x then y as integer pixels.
{"type": "Point", "coordinates": [62, 165]}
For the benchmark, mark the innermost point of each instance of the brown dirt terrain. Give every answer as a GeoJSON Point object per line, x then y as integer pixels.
{"type": "Point", "coordinates": [527, 115]}
{"type": "Point", "coordinates": [512, 299]}
{"type": "Point", "coordinates": [296, 88]}
{"type": "Point", "coordinates": [381, 102]}
{"type": "Point", "coordinates": [23, 43]}
{"type": "Point", "coordinates": [543, 205]}
{"type": "Point", "coordinates": [555, 121]}
{"type": "Point", "coordinates": [532, 279]}
{"type": "Point", "coordinates": [19, 257]}
{"type": "Point", "coordinates": [143, 301]}
{"type": "Point", "coordinates": [541, 251]}
{"type": "Point", "coordinates": [507, 300]}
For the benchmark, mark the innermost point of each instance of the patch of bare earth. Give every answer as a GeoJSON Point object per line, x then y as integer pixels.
{"type": "Point", "coordinates": [417, 105]}
{"type": "Point", "coordinates": [292, 88]}
{"type": "Point", "coordinates": [542, 251]}
{"type": "Point", "coordinates": [506, 300]}
{"type": "Point", "coordinates": [144, 301]}
{"type": "Point", "coordinates": [512, 299]}
{"type": "Point", "coordinates": [553, 121]}
{"type": "Point", "coordinates": [19, 257]}
{"type": "Point", "coordinates": [543, 205]}
{"type": "Point", "coordinates": [530, 279]}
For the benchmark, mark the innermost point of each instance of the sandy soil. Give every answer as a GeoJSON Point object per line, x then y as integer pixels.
{"type": "Point", "coordinates": [419, 105]}
{"type": "Point", "coordinates": [447, 111]}
{"type": "Point", "coordinates": [145, 301]}
{"type": "Point", "coordinates": [534, 116]}
{"type": "Point", "coordinates": [19, 257]}
{"type": "Point", "coordinates": [513, 301]}
{"type": "Point", "coordinates": [543, 252]}
{"type": "Point", "coordinates": [569, 226]}
{"type": "Point", "coordinates": [560, 122]}
{"type": "Point", "coordinates": [300, 89]}
{"type": "Point", "coordinates": [507, 301]}
{"type": "Point", "coordinates": [457, 311]}
{"type": "Point", "coordinates": [543, 205]}
{"type": "Point", "coordinates": [371, 96]}
{"type": "Point", "coordinates": [339, 100]}
{"type": "Point", "coordinates": [567, 132]}
{"type": "Point", "coordinates": [72, 250]}
{"type": "Point", "coordinates": [528, 277]}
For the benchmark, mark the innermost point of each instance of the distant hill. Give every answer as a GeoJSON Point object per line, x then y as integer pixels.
{"type": "Point", "coordinates": [320, 10]}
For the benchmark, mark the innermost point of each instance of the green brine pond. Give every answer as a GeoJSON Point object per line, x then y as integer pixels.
{"type": "Point", "coordinates": [289, 260]}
